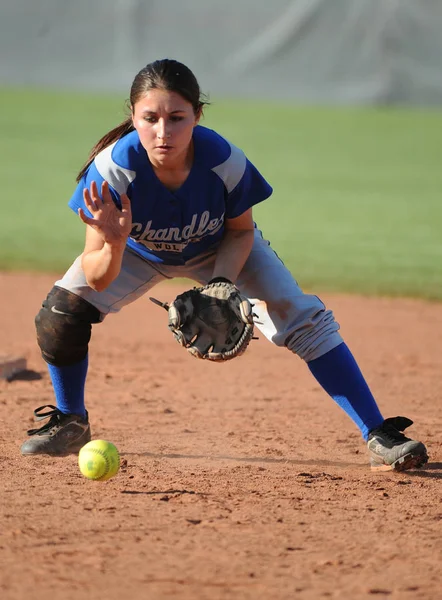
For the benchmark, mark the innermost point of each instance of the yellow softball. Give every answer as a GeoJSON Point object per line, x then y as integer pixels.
{"type": "Point", "coordinates": [99, 460]}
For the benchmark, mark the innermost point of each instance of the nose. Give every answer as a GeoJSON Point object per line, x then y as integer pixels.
{"type": "Point", "coordinates": [162, 130]}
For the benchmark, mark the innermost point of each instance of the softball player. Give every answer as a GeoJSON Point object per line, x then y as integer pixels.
{"type": "Point", "coordinates": [163, 197]}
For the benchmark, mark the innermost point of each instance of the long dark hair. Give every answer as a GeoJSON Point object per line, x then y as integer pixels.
{"type": "Point", "coordinates": [165, 74]}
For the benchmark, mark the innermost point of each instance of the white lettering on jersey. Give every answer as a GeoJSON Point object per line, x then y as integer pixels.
{"type": "Point", "coordinates": [172, 239]}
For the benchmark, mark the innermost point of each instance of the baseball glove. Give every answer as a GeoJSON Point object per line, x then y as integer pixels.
{"type": "Point", "coordinates": [214, 322]}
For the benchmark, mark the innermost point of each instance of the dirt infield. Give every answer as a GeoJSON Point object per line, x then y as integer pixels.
{"type": "Point", "coordinates": [239, 481]}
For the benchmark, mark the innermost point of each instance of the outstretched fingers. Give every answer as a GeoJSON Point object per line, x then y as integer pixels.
{"type": "Point", "coordinates": [95, 195]}
{"type": "Point", "coordinates": [125, 203]}
{"type": "Point", "coordinates": [105, 193]}
{"type": "Point", "coordinates": [92, 198]}
{"type": "Point", "coordinates": [83, 216]}
{"type": "Point", "coordinates": [88, 202]}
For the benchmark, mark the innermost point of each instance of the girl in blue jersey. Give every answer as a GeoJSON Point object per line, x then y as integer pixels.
{"type": "Point", "coordinates": [162, 197]}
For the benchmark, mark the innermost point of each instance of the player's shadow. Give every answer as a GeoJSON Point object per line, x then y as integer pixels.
{"type": "Point", "coordinates": [250, 459]}
{"type": "Point", "coordinates": [430, 471]}
{"type": "Point", "coordinates": [26, 375]}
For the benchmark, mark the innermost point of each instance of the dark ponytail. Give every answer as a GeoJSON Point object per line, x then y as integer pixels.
{"type": "Point", "coordinates": [111, 136]}
{"type": "Point", "coordinates": [166, 74]}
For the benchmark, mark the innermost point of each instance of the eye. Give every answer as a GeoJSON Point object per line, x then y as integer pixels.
{"type": "Point", "coordinates": [176, 118]}
{"type": "Point", "coordinates": [150, 119]}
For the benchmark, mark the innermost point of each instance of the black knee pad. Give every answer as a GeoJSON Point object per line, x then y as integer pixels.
{"type": "Point", "coordinates": [64, 326]}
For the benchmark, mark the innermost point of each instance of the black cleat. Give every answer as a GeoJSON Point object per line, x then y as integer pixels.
{"type": "Point", "coordinates": [60, 436]}
{"type": "Point", "coordinates": [390, 450]}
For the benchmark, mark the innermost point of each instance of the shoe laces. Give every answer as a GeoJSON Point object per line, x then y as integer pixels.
{"type": "Point", "coordinates": [392, 429]}
{"type": "Point", "coordinates": [393, 435]}
{"type": "Point", "coordinates": [53, 415]}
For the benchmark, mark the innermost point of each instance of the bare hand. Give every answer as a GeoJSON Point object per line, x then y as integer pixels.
{"type": "Point", "coordinates": [113, 224]}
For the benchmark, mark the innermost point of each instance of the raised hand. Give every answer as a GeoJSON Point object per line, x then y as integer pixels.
{"type": "Point", "coordinates": [113, 224]}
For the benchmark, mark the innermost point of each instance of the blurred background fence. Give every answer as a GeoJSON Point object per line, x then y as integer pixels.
{"type": "Point", "coordinates": [335, 101]}
{"type": "Point", "coordinates": [320, 51]}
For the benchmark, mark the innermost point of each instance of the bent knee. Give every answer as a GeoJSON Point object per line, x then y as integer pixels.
{"type": "Point", "coordinates": [315, 336]}
{"type": "Point", "coordinates": [64, 325]}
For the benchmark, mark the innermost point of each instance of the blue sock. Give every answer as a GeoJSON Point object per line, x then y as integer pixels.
{"type": "Point", "coordinates": [69, 385]}
{"type": "Point", "coordinates": [338, 373]}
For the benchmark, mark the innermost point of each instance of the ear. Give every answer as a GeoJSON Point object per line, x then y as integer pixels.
{"type": "Point", "coordinates": [198, 116]}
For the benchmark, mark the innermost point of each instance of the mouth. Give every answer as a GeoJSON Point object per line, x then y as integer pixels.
{"type": "Point", "coordinates": [164, 147]}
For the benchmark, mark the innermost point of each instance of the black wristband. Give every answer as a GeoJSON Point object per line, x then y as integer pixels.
{"type": "Point", "coordinates": [219, 280]}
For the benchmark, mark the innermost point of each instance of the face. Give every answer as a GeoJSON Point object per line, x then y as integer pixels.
{"type": "Point", "coordinates": [164, 121]}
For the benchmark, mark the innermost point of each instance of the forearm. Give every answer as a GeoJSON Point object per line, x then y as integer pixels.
{"type": "Point", "coordinates": [102, 266]}
{"type": "Point", "coordinates": [233, 252]}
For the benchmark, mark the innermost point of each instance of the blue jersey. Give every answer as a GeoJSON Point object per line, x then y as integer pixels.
{"type": "Point", "coordinates": [173, 227]}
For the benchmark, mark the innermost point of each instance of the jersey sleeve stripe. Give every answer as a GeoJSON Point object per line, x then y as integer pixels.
{"type": "Point", "coordinates": [116, 176]}
{"type": "Point", "coordinates": [232, 170]}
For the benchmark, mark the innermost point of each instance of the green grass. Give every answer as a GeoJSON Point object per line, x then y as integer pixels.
{"type": "Point", "coordinates": [357, 191]}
